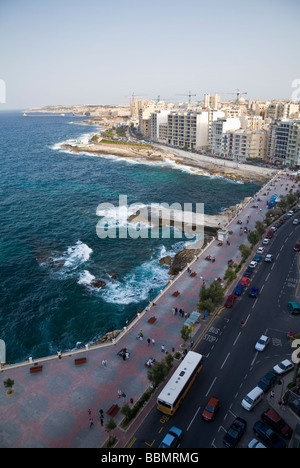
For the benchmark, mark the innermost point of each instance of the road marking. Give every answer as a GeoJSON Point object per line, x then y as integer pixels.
{"type": "Point", "coordinates": [254, 303]}
{"type": "Point", "coordinates": [225, 360]}
{"type": "Point", "coordinates": [236, 339]}
{"type": "Point", "coordinates": [277, 255]}
{"type": "Point", "coordinates": [267, 277]}
{"type": "Point", "coordinates": [211, 386]}
{"type": "Point", "coordinates": [193, 418]}
{"type": "Point", "coordinates": [254, 358]}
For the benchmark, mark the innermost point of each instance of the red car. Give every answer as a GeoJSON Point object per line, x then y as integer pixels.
{"type": "Point", "coordinates": [211, 409]}
{"type": "Point", "coordinates": [270, 234]}
{"type": "Point", "coordinates": [245, 281]}
{"type": "Point", "coordinates": [297, 247]}
{"type": "Point", "coordinates": [230, 300]}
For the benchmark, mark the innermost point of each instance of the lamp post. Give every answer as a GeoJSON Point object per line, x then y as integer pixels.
{"type": "Point", "coordinates": [149, 292]}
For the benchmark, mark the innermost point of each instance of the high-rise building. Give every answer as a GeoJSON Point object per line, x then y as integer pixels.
{"type": "Point", "coordinates": [284, 142]}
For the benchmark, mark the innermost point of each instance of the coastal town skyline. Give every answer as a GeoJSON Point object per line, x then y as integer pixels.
{"type": "Point", "coordinates": [103, 52]}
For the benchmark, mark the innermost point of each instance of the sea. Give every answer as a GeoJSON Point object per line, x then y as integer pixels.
{"type": "Point", "coordinates": [50, 253]}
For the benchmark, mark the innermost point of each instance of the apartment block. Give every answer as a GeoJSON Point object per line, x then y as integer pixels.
{"type": "Point", "coordinates": [218, 129]}
{"type": "Point", "coordinates": [244, 145]}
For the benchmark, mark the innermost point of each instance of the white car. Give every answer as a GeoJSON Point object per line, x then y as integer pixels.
{"type": "Point", "coordinates": [252, 264]}
{"type": "Point", "coordinates": [262, 343]}
{"type": "Point", "coordinates": [283, 367]}
{"type": "Point", "coordinates": [296, 221]}
{"type": "Point", "coordinates": [273, 228]}
{"type": "Point", "coordinates": [290, 213]}
{"type": "Point", "coordinates": [266, 241]}
{"type": "Point", "coordinates": [260, 250]}
{"type": "Point", "coordinates": [254, 443]}
{"type": "Point", "coordinates": [269, 258]}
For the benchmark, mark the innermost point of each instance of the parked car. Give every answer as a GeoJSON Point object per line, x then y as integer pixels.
{"type": "Point", "coordinates": [248, 272]}
{"type": "Point", "coordinates": [290, 213]}
{"type": "Point", "coordinates": [273, 228]}
{"type": "Point", "coordinates": [262, 343]}
{"type": "Point", "coordinates": [283, 367]}
{"type": "Point", "coordinates": [270, 234]}
{"type": "Point", "coordinates": [239, 290]}
{"type": "Point", "coordinates": [254, 443]}
{"type": "Point", "coordinates": [254, 292]}
{"type": "Point", "coordinates": [270, 437]}
{"type": "Point", "coordinates": [211, 409]}
{"type": "Point", "coordinates": [257, 258]}
{"type": "Point", "coordinates": [260, 250]}
{"type": "Point", "coordinates": [235, 432]}
{"type": "Point", "coordinates": [252, 264]}
{"type": "Point", "coordinates": [172, 438]}
{"type": "Point", "coordinates": [269, 258]}
{"type": "Point", "coordinates": [245, 281]}
{"type": "Point", "coordinates": [266, 241]}
{"type": "Point", "coordinates": [276, 422]}
{"type": "Point", "coordinates": [294, 307]}
{"type": "Point", "coordinates": [230, 301]}
{"type": "Point", "coordinates": [267, 381]}
{"type": "Point", "coordinates": [281, 221]}
{"type": "Point", "coordinates": [296, 221]}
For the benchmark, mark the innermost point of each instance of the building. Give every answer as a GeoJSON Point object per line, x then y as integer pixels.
{"type": "Point", "coordinates": [278, 110]}
{"type": "Point", "coordinates": [158, 118]}
{"type": "Point", "coordinates": [245, 144]}
{"type": "Point", "coordinates": [218, 129]}
{"type": "Point", "coordinates": [284, 142]}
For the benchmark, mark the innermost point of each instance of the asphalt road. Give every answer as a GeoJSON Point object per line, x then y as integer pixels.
{"type": "Point", "coordinates": [231, 366]}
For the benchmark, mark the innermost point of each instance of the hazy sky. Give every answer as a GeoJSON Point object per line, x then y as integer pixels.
{"type": "Point", "coordinates": [101, 51]}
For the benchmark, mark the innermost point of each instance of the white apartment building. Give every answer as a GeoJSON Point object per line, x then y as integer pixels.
{"type": "Point", "coordinates": [187, 129]}
{"type": "Point", "coordinates": [157, 118]}
{"type": "Point", "coordinates": [278, 110]}
{"type": "Point", "coordinates": [284, 142]}
{"type": "Point", "coordinates": [218, 129]}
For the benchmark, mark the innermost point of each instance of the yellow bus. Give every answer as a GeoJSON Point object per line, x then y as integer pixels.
{"type": "Point", "coordinates": [179, 384]}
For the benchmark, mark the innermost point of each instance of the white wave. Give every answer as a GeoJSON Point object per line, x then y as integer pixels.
{"type": "Point", "coordinates": [85, 278]}
{"type": "Point", "coordinates": [77, 254]}
{"type": "Point", "coordinates": [118, 215]}
{"type": "Point", "coordinates": [136, 285]}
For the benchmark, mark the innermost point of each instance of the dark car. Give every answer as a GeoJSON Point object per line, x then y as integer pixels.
{"type": "Point", "coordinates": [257, 258]}
{"type": "Point", "coordinates": [254, 292]}
{"type": "Point", "coordinates": [230, 300]}
{"type": "Point", "coordinates": [277, 423]}
{"type": "Point", "coordinates": [281, 221]}
{"type": "Point", "coordinates": [234, 433]}
{"type": "Point", "coordinates": [268, 435]}
{"type": "Point", "coordinates": [267, 381]}
{"type": "Point", "coordinates": [248, 272]}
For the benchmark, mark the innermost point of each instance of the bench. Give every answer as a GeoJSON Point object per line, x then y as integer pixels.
{"type": "Point", "coordinates": [79, 361]}
{"type": "Point", "coordinates": [113, 410]}
{"type": "Point", "coordinates": [152, 320]}
{"type": "Point", "coordinates": [36, 369]}
{"type": "Point", "coordinates": [176, 293]}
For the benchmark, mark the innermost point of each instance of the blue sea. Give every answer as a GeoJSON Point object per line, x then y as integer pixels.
{"type": "Point", "coordinates": [49, 248]}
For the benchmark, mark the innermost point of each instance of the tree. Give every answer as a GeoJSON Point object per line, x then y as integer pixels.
{"type": "Point", "coordinates": [9, 383]}
{"type": "Point", "coordinates": [253, 237]}
{"type": "Point", "coordinates": [245, 251]}
{"type": "Point", "coordinates": [185, 333]}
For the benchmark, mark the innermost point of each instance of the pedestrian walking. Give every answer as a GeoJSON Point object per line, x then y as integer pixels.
{"type": "Point", "coordinates": [148, 341]}
{"type": "Point", "coordinates": [173, 310]}
{"type": "Point", "coordinates": [104, 363]}
{"type": "Point", "coordinates": [89, 412]}
{"type": "Point", "coordinates": [120, 393]}
{"type": "Point", "coordinates": [163, 348]}
{"type": "Point", "coordinates": [153, 341]}
{"type": "Point", "coordinates": [91, 422]}
{"type": "Point", "coordinates": [272, 394]}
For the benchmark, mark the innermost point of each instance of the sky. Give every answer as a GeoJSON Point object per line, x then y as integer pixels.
{"type": "Point", "coordinates": [70, 52]}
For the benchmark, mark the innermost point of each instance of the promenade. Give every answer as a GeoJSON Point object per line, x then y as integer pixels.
{"type": "Point", "coordinates": [53, 408]}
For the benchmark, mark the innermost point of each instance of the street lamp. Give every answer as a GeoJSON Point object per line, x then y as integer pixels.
{"type": "Point", "coordinates": [149, 292]}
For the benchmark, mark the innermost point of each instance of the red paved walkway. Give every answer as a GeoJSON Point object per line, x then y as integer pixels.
{"type": "Point", "coordinates": [51, 408]}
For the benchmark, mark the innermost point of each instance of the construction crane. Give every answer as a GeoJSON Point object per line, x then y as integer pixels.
{"type": "Point", "coordinates": [237, 94]}
{"type": "Point", "coordinates": [189, 95]}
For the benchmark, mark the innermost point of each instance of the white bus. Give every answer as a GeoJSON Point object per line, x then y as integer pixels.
{"type": "Point", "coordinates": [179, 384]}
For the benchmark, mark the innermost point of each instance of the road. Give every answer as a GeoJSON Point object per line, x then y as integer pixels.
{"type": "Point", "coordinates": [232, 367]}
